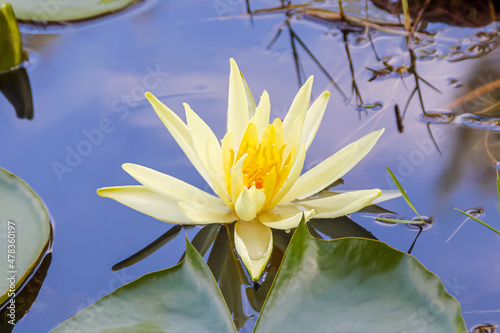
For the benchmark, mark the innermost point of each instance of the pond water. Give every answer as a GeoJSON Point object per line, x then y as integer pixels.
{"type": "Point", "coordinates": [91, 116]}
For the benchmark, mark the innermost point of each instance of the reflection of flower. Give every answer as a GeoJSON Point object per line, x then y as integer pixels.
{"type": "Point", "coordinates": [255, 172]}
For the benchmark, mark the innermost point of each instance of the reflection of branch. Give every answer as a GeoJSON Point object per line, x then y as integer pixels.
{"type": "Point", "coordinates": [329, 15]}
{"type": "Point", "coordinates": [432, 138]}
{"type": "Point", "coordinates": [473, 94]}
{"type": "Point", "coordinates": [413, 70]}
{"type": "Point", "coordinates": [359, 99]}
{"type": "Point", "coordinates": [249, 11]}
{"type": "Point", "coordinates": [298, 66]}
{"type": "Point", "coordinates": [297, 38]}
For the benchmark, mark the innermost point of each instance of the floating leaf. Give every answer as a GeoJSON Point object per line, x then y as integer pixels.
{"type": "Point", "coordinates": [68, 10]}
{"type": "Point", "coordinates": [25, 231]}
{"type": "Point", "coordinates": [343, 285]}
{"type": "Point", "coordinates": [183, 298]}
{"type": "Point", "coordinates": [383, 219]}
{"type": "Point", "coordinates": [355, 285]}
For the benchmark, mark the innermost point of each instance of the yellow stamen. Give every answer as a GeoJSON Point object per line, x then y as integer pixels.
{"type": "Point", "coordinates": [267, 164]}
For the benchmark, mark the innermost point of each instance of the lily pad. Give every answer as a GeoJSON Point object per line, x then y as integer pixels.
{"type": "Point", "coordinates": [25, 231]}
{"type": "Point", "coordinates": [183, 298]}
{"type": "Point", "coordinates": [355, 285]}
{"type": "Point", "coordinates": [66, 11]}
{"type": "Point", "coordinates": [344, 285]}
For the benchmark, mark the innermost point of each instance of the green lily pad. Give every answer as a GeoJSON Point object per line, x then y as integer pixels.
{"type": "Point", "coordinates": [183, 298]}
{"type": "Point", "coordinates": [25, 231]}
{"type": "Point", "coordinates": [68, 10]}
{"type": "Point", "coordinates": [355, 285]}
{"type": "Point", "coordinates": [344, 285]}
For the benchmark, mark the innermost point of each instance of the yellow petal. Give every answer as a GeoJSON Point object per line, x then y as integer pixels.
{"type": "Point", "coordinates": [237, 109]}
{"type": "Point", "coordinates": [168, 186]}
{"type": "Point", "coordinates": [294, 136]}
{"type": "Point", "coordinates": [179, 131]}
{"type": "Point", "coordinates": [200, 133]}
{"type": "Point", "coordinates": [313, 119]}
{"type": "Point", "coordinates": [216, 171]}
{"type": "Point", "coordinates": [254, 244]}
{"type": "Point", "coordinates": [146, 201]}
{"type": "Point", "coordinates": [292, 178]}
{"type": "Point", "coordinates": [340, 204]}
{"type": "Point", "coordinates": [237, 183]}
{"type": "Point", "coordinates": [285, 217]}
{"type": "Point", "coordinates": [249, 203]}
{"type": "Point", "coordinates": [386, 195]}
{"type": "Point", "coordinates": [251, 101]}
{"type": "Point", "coordinates": [202, 214]}
{"type": "Point", "coordinates": [262, 114]}
{"type": "Point", "coordinates": [332, 168]}
{"type": "Point", "coordinates": [228, 159]}
{"type": "Point", "coordinates": [299, 105]}
{"type": "Point", "coordinates": [208, 150]}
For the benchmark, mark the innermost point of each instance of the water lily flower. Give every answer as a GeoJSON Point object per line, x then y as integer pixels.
{"type": "Point", "coordinates": [255, 172]}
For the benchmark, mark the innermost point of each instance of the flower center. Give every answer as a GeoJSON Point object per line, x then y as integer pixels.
{"type": "Point", "coordinates": [268, 161]}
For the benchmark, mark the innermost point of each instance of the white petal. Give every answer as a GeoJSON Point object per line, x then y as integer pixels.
{"type": "Point", "coordinates": [313, 119]}
{"type": "Point", "coordinates": [201, 214]}
{"type": "Point", "coordinates": [146, 201]}
{"type": "Point", "coordinates": [299, 105]}
{"type": "Point", "coordinates": [340, 204]}
{"type": "Point", "coordinates": [254, 244]}
{"type": "Point", "coordinates": [237, 109]}
{"type": "Point", "coordinates": [168, 186]}
{"type": "Point", "coordinates": [249, 203]}
{"type": "Point", "coordinates": [332, 168]}
{"type": "Point", "coordinates": [285, 217]}
{"type": "Point", "coordinates": [179, 131]}
{"type": "Point", "coordinates": [262, 114]}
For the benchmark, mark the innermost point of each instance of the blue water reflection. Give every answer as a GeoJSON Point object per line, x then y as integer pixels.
{"type": "Point", "coordinates": [90, 117]}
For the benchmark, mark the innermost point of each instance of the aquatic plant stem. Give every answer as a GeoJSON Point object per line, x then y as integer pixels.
{"type": "Point", "coordinates": [478, 220]}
